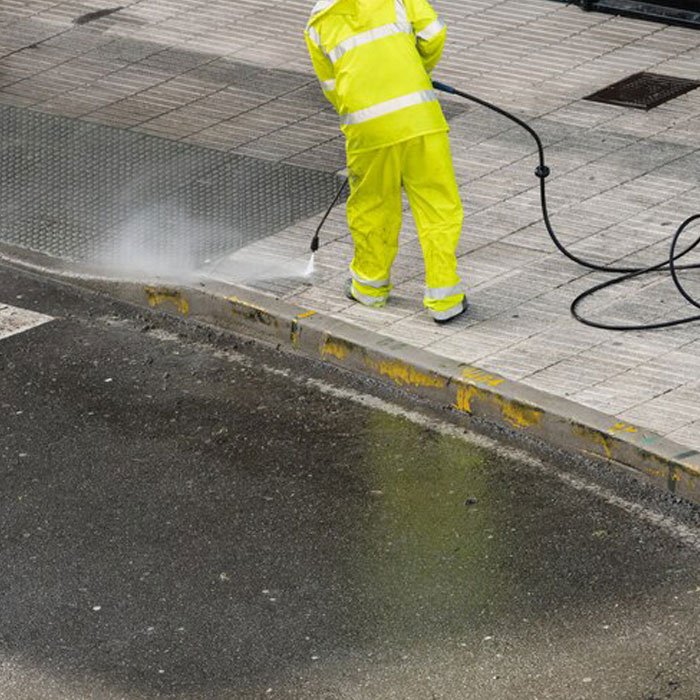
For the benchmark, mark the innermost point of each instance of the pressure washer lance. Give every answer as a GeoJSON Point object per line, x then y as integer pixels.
{"type": "Point", "coordinates": [542, 172]}
{"type": "Point", "coordinates": [315, 241]}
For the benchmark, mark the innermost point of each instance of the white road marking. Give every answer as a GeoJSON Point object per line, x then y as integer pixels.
{"type": "Point", "coordinates": [679, 531]}
{"type": "Point", "coordinates": [688, 535]}
{"type": "Point", "coordinates": [14, 320]}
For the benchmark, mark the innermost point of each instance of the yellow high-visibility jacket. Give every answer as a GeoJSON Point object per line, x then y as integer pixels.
{"type": "Point", "coordinates": [374, 59]}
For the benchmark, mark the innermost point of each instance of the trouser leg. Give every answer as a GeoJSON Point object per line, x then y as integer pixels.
{"type": "Point", "coordinates": [374, 219]}
{"type": "Point", "coordinates": [429, 180]}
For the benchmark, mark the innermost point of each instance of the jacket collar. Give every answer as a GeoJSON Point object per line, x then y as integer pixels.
{"type": "Point", "coordinates": [321, 7]}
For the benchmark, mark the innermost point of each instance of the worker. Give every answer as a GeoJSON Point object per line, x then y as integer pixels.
{"type": "Point", "coordinates": [374, 59]}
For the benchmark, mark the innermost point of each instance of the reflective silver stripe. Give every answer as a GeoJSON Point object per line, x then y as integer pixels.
{"type": "Point", "coordinates": [401, 14]}
{"type": "Point", "coordinates": [439, 293]}
{"type": "Point", "coordinates": [431, 30]}
{"type": "Point", "coordinates": [314, 36]}
{"type": "Point", "coordinates": [376, 285]}
{"type": "Point", "coordinates": [368, 300]}
{"type": "Point", "coordinates": [383, 108]}
{"type": "Point", "coordinates": [447, 315]}
{"type": "Point", "coordinates": [367, 37]}
{"type": "Point", "coordinates": [328, 85]}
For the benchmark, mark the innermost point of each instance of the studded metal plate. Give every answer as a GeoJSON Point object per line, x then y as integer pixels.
{"type": "Point", "coordinates": [644, 90]}
{"type": "Point", "coordinates": [91, 193]}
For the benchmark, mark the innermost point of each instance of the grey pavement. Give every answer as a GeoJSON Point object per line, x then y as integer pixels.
{"type": "Point", "coordinates": [237, 80]}
{"type": "Point", "coordinates": [189, 515]}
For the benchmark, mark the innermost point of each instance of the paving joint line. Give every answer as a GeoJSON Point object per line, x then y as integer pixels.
{"type": "Point", "coordinates": [232, 119]}
{"type": "Point", "coordinates": [555, 176]}
{"type": "Point", "coordinates": [653, 29]}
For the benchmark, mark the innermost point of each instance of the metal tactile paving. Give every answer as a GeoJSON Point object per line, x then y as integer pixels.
{"type": "Point", "coordinates": [87, 193]}
{"type": "Point", "coordinates": [644, 90]}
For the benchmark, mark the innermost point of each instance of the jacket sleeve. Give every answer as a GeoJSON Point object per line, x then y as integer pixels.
{"type": "Point", "coordinates": [322, 66]}
{"type": "Point", "coordinates": [430, 32]}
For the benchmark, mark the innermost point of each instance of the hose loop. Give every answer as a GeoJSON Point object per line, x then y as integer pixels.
{"type": "Point", "coordinates": [624, 273]}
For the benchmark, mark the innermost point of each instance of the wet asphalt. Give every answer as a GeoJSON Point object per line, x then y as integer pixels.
{"type": "Point", "coordinates": [192, 515]}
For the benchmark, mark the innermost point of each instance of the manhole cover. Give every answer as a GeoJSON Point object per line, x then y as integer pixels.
{"type": "Point", "coordinates": [644, 90]}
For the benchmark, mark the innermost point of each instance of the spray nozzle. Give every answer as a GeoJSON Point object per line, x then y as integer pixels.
{"type": "Point", "coordinates": [443, 87]}
{"type": "Point", "coordinates": [315, 243]}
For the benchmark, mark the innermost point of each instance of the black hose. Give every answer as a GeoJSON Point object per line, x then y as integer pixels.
{"type": "Point", "coordinates": [315, 241]}
{"type": "Point", "coordinates": [625, 273]}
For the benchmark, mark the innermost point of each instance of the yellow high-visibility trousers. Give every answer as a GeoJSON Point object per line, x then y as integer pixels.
{"type": "Point", "coordinates": [423, 167]}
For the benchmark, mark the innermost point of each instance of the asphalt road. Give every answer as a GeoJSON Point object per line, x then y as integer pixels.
{"type": "Point", "coordinates": [190, 515]}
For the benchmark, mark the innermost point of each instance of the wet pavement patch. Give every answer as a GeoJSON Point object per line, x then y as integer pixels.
{"type": "Point", "coordinates": [91, 193]}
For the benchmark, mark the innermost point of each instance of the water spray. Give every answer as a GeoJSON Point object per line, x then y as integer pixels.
{"type": "Point", "coordinates": [542, 172]}
{"type": "Point", "coordinates": [310, 266]}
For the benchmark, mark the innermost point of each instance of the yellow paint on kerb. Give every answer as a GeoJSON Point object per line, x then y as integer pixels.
{"type": "Point", "coordinates": [465, 394]}
{"type": "Point", "coordinates": [157, 297]}
{"type": "Point", "coordinates": [404, 374]}
{"type": "Point", "coordinates": [623, 427]}
{"type": "Point", "coordinates": [603, 442]}
{"type": "Point", "coordinates": [335, 348]}
{"type": "Point", "coordinates": [520, 416]}
{"type": "Point", "coordinates": [593, 436]}
{"type": "Point", "coordinates": [296, 329]}
{"type": "Point", "coordinates": [307, 314]}
{"type": "Point", "coordinates": [244, 308]}
{"type": "Point", "coordinates": [516, 414]}
{"type": "Point", "coordinates": [247, 306]}
{"type": "Point", "coordinates": [478, 375]}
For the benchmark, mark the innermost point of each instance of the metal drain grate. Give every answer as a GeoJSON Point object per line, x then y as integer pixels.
{"type": "Point", "coordinates": [684, 13]}
{"type": "Point", "coordinates": [91, 193]}
{"type": "Point", "coordinates": [644, 90]}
